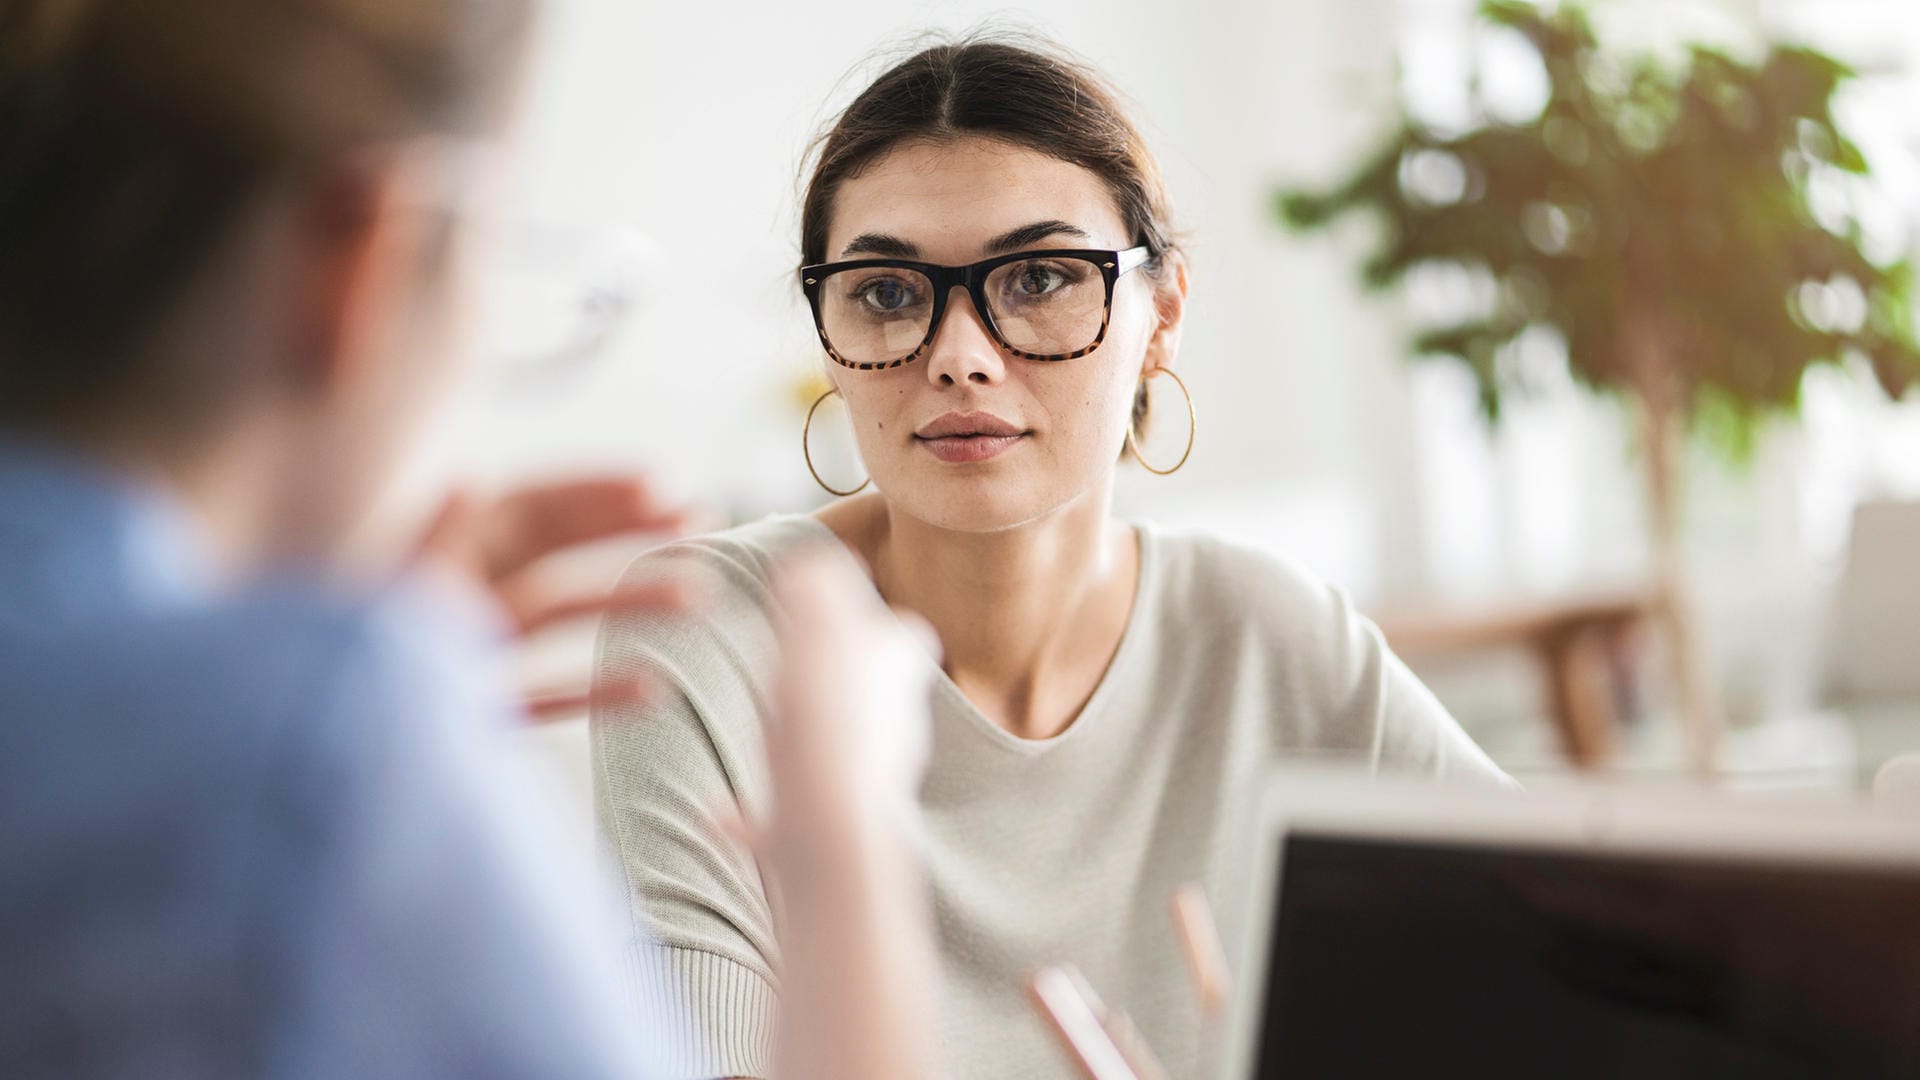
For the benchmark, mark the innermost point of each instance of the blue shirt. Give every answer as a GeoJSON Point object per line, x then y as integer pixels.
{"type": "Point", "coordinates": [267, 832]}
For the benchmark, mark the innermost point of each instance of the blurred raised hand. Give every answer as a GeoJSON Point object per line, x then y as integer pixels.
{"type": "Point", "coordinates": [499, 542]}
{"type": "Point", "coordinates": [846, 750]}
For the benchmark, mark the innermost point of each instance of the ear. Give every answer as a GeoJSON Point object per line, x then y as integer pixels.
{"type": "Point", "coordinates": [359, 238]}
{"type": "Point", "coordinates": [1170, 309]}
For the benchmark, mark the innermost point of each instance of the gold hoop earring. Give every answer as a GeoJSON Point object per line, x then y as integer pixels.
{"type": "Point", "coordinates": [1193, 425]}
{"type": "Point", "coordinates": [806, 450]}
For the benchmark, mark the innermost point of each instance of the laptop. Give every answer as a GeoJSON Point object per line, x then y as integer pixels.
{"type": "Point", "coordinates": [1583, 932]}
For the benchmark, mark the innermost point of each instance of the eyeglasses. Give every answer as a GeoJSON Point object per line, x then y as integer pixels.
{"type": "Point", "coordinates": [550, 294]}
{"type": "Point", "coordinates": [553, 295]}
{"type": "Point", "coordinates": [1038, 305]}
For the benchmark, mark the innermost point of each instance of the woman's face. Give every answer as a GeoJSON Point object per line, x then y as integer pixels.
{"type": "Point", "coordinates": [1033, 437]}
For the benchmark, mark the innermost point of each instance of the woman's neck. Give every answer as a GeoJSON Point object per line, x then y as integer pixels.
{"type": "Point", "coordinates": [1029, 617]}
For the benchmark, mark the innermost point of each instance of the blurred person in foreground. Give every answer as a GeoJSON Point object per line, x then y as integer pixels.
{"type": "Point", "coordinates": [257, 814]}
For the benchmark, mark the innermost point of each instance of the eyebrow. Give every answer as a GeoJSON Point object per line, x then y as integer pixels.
{"type": "Point", "coordinates": [892, 247]}
{"type": "Point", "coordinates": [882, 245]}
{"type": "Point", "coordinates": [1029, 235]}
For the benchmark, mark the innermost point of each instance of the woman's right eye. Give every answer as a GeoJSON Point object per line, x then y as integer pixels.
{"type": "Point", "coordinates": [886, 295]}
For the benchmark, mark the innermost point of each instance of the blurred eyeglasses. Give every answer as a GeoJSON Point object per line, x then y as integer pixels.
{"type": "Point", "coordinates": [553, 296]}
{"type": "Point", "coordinates": [1038, 305]}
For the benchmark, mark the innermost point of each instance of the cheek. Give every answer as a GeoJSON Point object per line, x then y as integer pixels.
{"type": "Point", "coordinates": [874, 407]}
{"type": "Point", "coordinates": [1089, 408]}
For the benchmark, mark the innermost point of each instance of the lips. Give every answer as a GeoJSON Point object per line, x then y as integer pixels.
{"type": "Point", "coordinates": [962, 425]}
{"type": "Point", "coordinates": [967, 437]}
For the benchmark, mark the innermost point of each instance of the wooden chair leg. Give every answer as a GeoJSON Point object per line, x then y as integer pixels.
{"type": "Point", "coordinates": [1580, 694]}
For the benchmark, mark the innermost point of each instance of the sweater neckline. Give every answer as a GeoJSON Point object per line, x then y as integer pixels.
{"type": "Point", "coordinates": [1145, 581]}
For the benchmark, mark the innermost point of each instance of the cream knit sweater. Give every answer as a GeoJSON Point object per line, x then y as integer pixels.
{"type": "Point", "coordinates": [1064, 849]}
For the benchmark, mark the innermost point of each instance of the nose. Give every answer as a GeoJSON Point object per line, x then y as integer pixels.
{"type": "Point", "coordinates": [963, 351]}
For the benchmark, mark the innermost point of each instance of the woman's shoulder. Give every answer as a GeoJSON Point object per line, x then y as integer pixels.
{"type": "Point", "coordinates": [1222, 603]}
{"type": "Point", "coordinates": [1334, 684]}
{"type": "Point", "coordinates": [1207, 577]}
{"type": "Point", "coordinates": [742, 555]}
{"type": "Point", "coordinates": [730, 575]}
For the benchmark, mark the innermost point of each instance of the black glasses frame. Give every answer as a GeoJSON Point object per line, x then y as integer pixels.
{"type": "Point", "coordinates": [973, 278]}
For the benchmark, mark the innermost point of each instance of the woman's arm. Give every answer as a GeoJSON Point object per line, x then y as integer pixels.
{"type": "Point", "coordinates": [702, 952]}
{"type": "Point", "coordinates": [806, 711]}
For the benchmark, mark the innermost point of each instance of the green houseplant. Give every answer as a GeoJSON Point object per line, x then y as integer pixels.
{"type": "Point", "coordinates": [1665, 220]}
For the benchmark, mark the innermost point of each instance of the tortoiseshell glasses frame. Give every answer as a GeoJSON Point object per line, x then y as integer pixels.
{"type": "Point", "coordinates": [973, 277]}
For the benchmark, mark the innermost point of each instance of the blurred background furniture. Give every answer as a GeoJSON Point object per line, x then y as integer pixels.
{"type": "Point", "coordinates": [1582, 646]}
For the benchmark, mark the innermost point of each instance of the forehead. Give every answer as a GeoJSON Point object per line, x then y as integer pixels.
{"type": "Point", "coordinates": [949, 198]}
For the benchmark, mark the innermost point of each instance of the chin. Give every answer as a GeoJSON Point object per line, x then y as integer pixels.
{"type": "Point", "coordinates": [975, 503]}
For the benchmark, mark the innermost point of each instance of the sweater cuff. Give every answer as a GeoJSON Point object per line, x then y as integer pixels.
{"type": "Point", "coordinates": [714, 1015]}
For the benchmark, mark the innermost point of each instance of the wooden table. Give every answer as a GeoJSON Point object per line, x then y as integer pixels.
{"type": "Point", "coordinates": [1580, 642]}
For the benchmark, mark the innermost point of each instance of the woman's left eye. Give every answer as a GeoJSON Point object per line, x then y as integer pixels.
{"type": "Point", "coordinates": [1030, 280]}
{"type": "Point", "coordinates": [1033, 280]}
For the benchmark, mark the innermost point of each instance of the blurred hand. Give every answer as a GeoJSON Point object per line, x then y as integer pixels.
{"type": "Point", "coordinates": [849, 740]}
{"type": "Point", "coordinates": [1104, 1042]}
{"type": "Point", "coordinates": [845, 752]}
{"type": "Point", "coordinates": [497, 542]}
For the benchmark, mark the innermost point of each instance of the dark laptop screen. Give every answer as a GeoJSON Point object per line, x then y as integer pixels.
{"type": "Point", "coordinates": [1403, 960]}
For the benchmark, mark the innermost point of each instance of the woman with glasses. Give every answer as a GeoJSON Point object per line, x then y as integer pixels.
{"type": "Point", "coordinates": [987, 252]}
